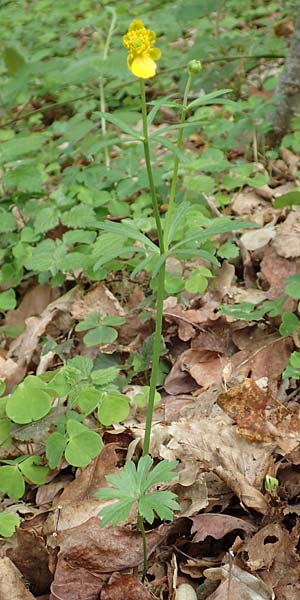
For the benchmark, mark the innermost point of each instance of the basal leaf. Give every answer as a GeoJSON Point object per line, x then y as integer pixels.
{"type": "Point", "coordinates": [11, 482]}
{"type": "Point", "coordinates": [33, 471]}
{"type": "Point", "coordinates": [29, 402]}
{"type": "Point", "coordinates": [113, 408]}
{"type": "Point", "coordinates": [55, 446]}
{"type": "Point", "coordinates": [100, 335]}
{"type": "Point", "coordinates": [8, 524]}
{"type": "Point", "coordinates": [83, 444]}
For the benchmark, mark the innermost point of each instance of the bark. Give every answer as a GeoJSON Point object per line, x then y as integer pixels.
{"type": "Point", "coordinates": [287, 95]}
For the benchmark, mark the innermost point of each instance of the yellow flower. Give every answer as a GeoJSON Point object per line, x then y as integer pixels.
{"type": "Point", "coordinates": [141, 55]}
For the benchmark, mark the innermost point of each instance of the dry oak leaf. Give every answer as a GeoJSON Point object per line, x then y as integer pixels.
{"type": "Point", "coordinates": [237, 584]}
{"type": "Point", "coordinates": [287, 240]}
{"type": "Point", "coordinates": [273, 552]}
{"type": "Point", "coordinates": [78, 503]}
{"type": "Point", "coordinates": [98, 299]}
{"type": "Point", "coordinates": [75, 584]}
{"type": "Point", "coordinates": [260, 417]}
{"type": "Point", "coordinates": [11, 584]}
{"type": "Point", "coordinates": [214, 442]}
{"type": "Point", "coordinates": [105, 550]}
{"type": "Point", "coordinates": [122, 586]}
{"type": "Point", "coordinates": [217, 526]}
{"type": "Point", "coordinates": [275, 270]}
{"type": "Point", "coordinates": [30, 555]}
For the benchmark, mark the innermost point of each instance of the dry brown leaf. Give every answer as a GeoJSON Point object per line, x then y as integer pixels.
{"type": "Point", "coordinates": [98, 299]}
{"type": "Point", "coordinates": [287, 240]}
{"type": "Point", "coordinates": [123, 586]}
{"type": "Point", "coordinates": [248, 203]}
{"type": "Point", "coordinates": [105, 550]}
{"type": "Point", "coordinates": [260, 417]}
{"type": "Point", "coordinates": [217, 526]}
{"type": "Point", "coordinates": [273, 552]}
{"type": "Point", "coordinates": [240, 464]}
{"type": "Point", "coordinates": [78, 503]}
{"type": "Point", "coordinates": [30, 555]}
{"type": "Point", "coordinates": [11, 584]}
{"type": "Point", "coordinates": [275, 270]}
{"type": "Point", "coordinates": [256, 239]}
{"type": "Point", "coordinates": [34, 301]}
{"type": "Point", "coordinates": [75, 584]}
{"type": "Point", "coordinates": [292, 160]}
{"type": "Point", "coordinates": [237, 584]}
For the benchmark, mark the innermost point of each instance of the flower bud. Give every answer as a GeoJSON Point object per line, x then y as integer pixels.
{"type": "Point", "coordinates": [194, 67]}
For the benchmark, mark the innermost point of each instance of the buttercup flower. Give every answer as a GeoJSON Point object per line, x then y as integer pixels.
{"type": "Point", "coordinates": [141, 55]}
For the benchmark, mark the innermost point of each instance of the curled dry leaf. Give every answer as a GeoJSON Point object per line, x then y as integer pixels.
{"type": "Point", "coordinates": [287, 240]}
{"type": "Point", "coordinates": [237, 584]}
{"type": "Point", "coordinates": [217, 526]}
{"type": "Point", "coordinates": [260, 417]}
{"type": "Point", "coordinates": [77, 502]}
{"type": "Point", "coordinates": [122, 586]}
{"type": "Point", "coordinates": [275, 270]}
{"type": "Point", "coordinates": [11, 585]}
{"type": "Point", "coordinates": [98, 299]}
{"type": "Point", "coordinates": [30, 555]}
{"type": "Point", "coordinates": [240, 464]}
{"type": "Point", "coordinates": [105, 550]}
{"type": "Point", "coordinates": [273, 552]}
{"type": "Point", "coordinates": [79, 584]}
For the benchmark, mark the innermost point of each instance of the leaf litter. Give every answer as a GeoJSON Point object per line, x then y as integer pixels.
{"type": "Point", "coordinates": [224, 414]}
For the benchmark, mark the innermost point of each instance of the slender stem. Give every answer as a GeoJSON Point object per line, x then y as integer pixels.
{"type": "Point", "coordinates": [149, 168]}
{"type": "Point", "coordinates": [176, 165]}
{"type": "Point", "coordinates": [155, 356]}
{"type": "Point", "coordinates": [161, 279]}
{"type": "Point", "coordinates": [142, 530]}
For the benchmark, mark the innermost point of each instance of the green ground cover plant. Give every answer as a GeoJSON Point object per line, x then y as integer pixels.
{"type": "Point", "coordinates": [97, 183]}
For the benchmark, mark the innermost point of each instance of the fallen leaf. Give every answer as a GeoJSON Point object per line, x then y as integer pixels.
{"type": "Point", "coordinates": [11, 585]}
{"type": "Point", "coordinates": [237, 584]}
{"type": "Point", "coordinates": [78, 503]}
{"type": "Point", "coordinates": [98, 299]}
{"type": "Point", "coordinates": [240, 464]}
{"type": "Point", "coordinates": [217, 526]}
{"type": "Point", "coordinates": [273, 552]}
{"type": "Point", "coordinates": [287, 240]}
{"type": "Point", "coordinates": [260, 417]}
{"type": "Point", "coordinates": [123, 586]}
{"type": "Point", "coordinates": [105, 550]}
{"type": "Point", "coordinates": [275, 270]}
{"type": "Point", "coordinates": [31, 556]}
{"type": "Point", "coordinates": [75, 584]}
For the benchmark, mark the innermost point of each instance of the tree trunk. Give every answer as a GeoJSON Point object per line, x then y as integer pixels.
{"type": "Point", "coordinates": [287, 95]}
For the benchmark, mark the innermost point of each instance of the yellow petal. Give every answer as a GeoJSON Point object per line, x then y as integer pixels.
{"type": "Point", "coordinates": [143, 66]}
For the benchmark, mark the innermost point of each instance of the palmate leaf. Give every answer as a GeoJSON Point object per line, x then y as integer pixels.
{"type": "Point", "coordinates": [162, 503]}
{"type": "Point", "coordinates": [130, 485]}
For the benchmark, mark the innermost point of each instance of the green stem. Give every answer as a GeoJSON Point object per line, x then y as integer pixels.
{"type": "Point", "coordinates": [161, 279]}
{"type": "Point", "coordinates": [149, 168]}
{"type": "Point", "coordinates": [176, 165]}
{"type": "Point", "coordinates": [155, 355]}
{"type": "Point", "coordinates": [142, 530]}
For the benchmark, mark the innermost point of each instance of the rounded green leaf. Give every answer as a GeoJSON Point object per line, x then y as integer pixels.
{"type": "Point", "coordinates": [55, 446]}
{"type": "Point", "coordinates": [8, 524]}
{"type": "Point", "coordinates": [11, 482]}
{"type": "Point", "coordinates": [113, 408]}
{"type": "Point", "coordinates": [8, 300]}
{"type": "Point", "coordinates": [33, 471]}
{"type": "Point", "coordinates": [30, 402]}
{"type": "Point", "coordinates": [88, 400]}
{"type": "Point", "coordinates": [83, 444]}
{"type": "Point", "coordinates": [100, 335]}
